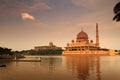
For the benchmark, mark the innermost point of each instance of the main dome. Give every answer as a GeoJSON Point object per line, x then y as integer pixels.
{"type": "Point", "coordinates": [82, 35]}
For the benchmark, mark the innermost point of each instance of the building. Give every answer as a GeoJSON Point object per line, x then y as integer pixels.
{"type": "Point", "coordinates": [50, 46]}
{"type": "Point", "coordinates": [84, 46]}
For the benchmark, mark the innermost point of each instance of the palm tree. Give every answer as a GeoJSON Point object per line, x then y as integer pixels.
{"type": "Point", "coordinates": [116, 11]}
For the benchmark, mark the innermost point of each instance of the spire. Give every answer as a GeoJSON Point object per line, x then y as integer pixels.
{"type": "Point", "coordinates": [97, 35]}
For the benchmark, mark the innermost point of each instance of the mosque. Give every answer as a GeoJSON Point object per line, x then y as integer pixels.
{"type": "Point", "coordinates": [84, 46]}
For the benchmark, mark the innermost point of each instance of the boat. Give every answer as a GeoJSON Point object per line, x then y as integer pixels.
{"type": "Point", "coordinates": [3, 65]}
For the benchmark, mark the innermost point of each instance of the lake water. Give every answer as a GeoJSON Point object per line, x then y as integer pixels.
{"type": "Point", "coordinates": [63, 68]}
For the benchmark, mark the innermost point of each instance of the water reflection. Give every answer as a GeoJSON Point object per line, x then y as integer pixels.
{"type": "Point", "coordinates": [84, 67]}
{"type": "Point", "coordinates": [51, 62]}
{"type": "Point", "coordinates": [2, 62]}
{"type": "Point", "coordinates": [63, 68]}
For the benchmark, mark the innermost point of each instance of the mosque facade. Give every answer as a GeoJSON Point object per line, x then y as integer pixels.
{"type": "Point", "coordinates": [84, 46]}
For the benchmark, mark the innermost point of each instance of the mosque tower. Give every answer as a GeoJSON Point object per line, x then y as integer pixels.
{"type": "Point", "coordinates": [97, 35]}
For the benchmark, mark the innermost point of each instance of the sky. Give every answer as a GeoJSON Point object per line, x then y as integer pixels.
{"type": "Point", "coordinates": [25, 24]}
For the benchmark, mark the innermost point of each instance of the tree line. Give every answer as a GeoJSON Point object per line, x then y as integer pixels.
{"type": "Point", "coordinates": [50, 52]}
{"type": "Point", "coordinates": [5, 51]}
{"type": "Point", "coordinates": [42, 52]}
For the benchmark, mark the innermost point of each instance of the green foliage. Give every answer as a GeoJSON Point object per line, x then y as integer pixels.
{"type": "Point", "coordinates": [116, 11]}
{"type": "Point", "coordinates": [43, 52]}
{"type": "Point", "coordinates": [5, 51]}
{"type": "Point", "coordinates": [29, 52]}
{"type": "Point", "coordinates": [50, 52]}
{"type": "Point", "coordinates": [32, 52]}
{"type": "Point", "coordinates": [117, 52]}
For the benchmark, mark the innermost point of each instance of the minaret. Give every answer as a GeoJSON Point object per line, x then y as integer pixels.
{"type": "Point", "coordinates": [97, 35]}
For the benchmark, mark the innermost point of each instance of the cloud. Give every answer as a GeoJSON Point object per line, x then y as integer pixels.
{"type": "Point", "coordinates": [85, 3]}
{"type": "Point", "coordinates": [95, 5]}
{"type": "Point", "coordinates": [32, 20]}
{"type": "Point", "coordinates": [39, 6]}
{"type": "Point", "coordinates": [27, 16]}
{"type": "Point", "coordinates": [13, 7]}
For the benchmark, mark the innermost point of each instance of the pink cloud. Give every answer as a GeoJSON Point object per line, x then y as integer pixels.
{"type": "Point", "coordinates": [26, 16]}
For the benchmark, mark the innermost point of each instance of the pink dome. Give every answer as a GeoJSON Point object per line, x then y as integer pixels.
{"type": "Point", "coordinates": [82, 35]}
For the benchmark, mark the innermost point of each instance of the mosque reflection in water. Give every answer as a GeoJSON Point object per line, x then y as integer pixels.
{"type": "Point", "coordinates": [84, 67]}
{"type": "Point", "coordinates": [55, 68]}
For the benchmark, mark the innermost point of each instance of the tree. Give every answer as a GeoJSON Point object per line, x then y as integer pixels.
{"type": "Point", "coordinates": [116, 11]}
{"type": "Point", "coordinates": [4, 51]}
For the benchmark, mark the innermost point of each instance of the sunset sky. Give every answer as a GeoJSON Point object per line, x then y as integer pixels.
{"type": "Point", "coordinates": [28, 23]}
